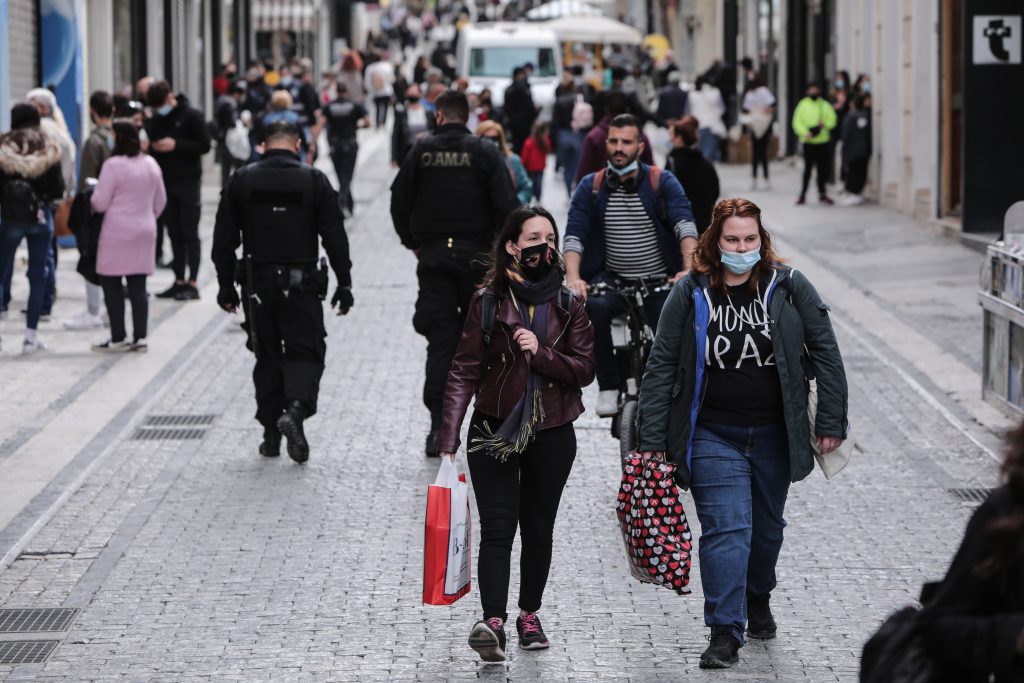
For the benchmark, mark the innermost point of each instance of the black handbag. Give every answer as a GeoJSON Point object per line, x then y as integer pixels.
{"type": "Point", "coordinates": [896, 653]}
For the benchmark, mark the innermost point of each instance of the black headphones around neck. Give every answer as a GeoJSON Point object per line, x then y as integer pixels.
{"type": "Point", "coordinates": [615, 181]}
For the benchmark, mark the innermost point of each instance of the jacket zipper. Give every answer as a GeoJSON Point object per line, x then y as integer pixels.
{"type": "Point", "coordinates": [567, 321]}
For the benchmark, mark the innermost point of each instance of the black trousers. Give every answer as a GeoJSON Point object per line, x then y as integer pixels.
{"type": "Point", "coordinates": [447, 276]}
{"type": "Point", "coordinates": [524, 491]}
{"type": "Point", "coordinates": [856, 176]}
{"type": "Point", "coordinates": [760, 151]}
{"type": "Point", "coordinates": [291, 349]}
{"type": "Point", "coordinates": [181, 217]}
{"type": "Point", "coordinates": [343, 155]}
{"type": "Point", "coordinates": [113, 298]}
{"type": "Point", "coordinates": [380, 106]}
{"type": "Point", "coordinates": [816, 158]}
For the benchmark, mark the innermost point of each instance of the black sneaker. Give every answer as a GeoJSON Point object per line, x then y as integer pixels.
{"type": "Point", "coordinates": [290, 425]}
{"type": "Point", "coordinates": [271, 446]}
{"type": "Point", "coordinates": [187, 293]}
{"type": "Point", "coordinates": [171, 292]}
{"type": "Point", "coordinates": [531, 635]}
{"type": "Point", "coordinates": [488, 639]}
{"type": "Point", "coordinates": [721, 653]}
{"type": "Point", "coordinates": [431, 446]}
{"type": "Point", "coordinates": [760, 623]}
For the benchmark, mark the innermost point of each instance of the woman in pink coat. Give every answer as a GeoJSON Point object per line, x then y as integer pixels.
{"type": "Point", "coordinates": [131, 195]}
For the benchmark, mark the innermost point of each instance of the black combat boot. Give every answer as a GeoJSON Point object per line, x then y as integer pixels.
{"type": "Point", "coordinates": [721, 653]}
{"type": "Point", "coordinates": [290, 425]}
{"type": "Point", "coordinates": [760, 623]}
{"type": "Point", "coordinates": [271, 446]}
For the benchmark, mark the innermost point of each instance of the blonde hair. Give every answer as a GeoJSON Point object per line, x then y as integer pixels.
{"type": "Point", "coordinates": [281, 100]}
{"type": "Point", "coordinates": [487, 127]}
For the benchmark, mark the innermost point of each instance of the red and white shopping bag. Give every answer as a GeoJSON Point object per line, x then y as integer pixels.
{"type": "Point", "coordinates": [447, 538]}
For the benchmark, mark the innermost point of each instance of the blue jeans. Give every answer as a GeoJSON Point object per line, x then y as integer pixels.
{"type": "Point", "coordinates": [707, 143]}
{"type": "Point", "coordinates": [537, 183]}
{"type": "Point", "coordinates": [739, 480]}
{"type": "Point", "coordinates": [601, 309]}
{"type": "Point", "coordinates": [39, 239]}
{"type": "Point", "coordinates": [568, 144]}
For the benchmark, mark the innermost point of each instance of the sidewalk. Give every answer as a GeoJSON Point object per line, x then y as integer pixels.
{"type": "Point", "coordinates": [192, 559]}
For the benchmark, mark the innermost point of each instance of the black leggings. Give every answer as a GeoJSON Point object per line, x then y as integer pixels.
{"type": "Point", "coordinates": [113, 297]}
{"type": "Point", "coordinates": [760, 151]}
{"type": "Point", "coordinates": [524, 490]}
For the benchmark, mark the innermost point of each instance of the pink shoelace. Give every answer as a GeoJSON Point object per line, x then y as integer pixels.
{"type": "Point", "coordinates": [530, 624]}
{"type": "Point", "coordinates": [496, 623]}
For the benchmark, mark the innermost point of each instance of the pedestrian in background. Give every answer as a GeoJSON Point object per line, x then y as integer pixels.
{"type": "Point", "coordinates": [696, 174]}
{"type": "Point", "coordinates": [97, 149]}
{"type": "Point", "coordinates": [566, 137]}
{"type": "Point", "coordinates": [759, 108]}
{"type": "Point", "coordinates": [708, 107]}
{"type": "Point", "coordinates": [178, 141]}
{"type": "Point", "coordinates": [30, 181]}
{"type": "Point", "coordinates": [729, 406]}
{"type": "Point", "coordinates": [130, 195]}
{"type": "Point", "coordinates": [535, 156]}
{"type": "Point", "coordinates": [594, 152]}
{"type": "Point", "coordinates": [493, 133]}
{"type": "Point", "coordinates": [411, 122]}
{"type": "Point", "coordinates": [520, 109]}
{"type": "Point", "coordinates": [813, 121]}
{"type": "Point", "coordinates": [856, 150]}
{"type": "Point", "coordinates": [526, 369]}
{"type": "Point", "coordinates": [672, 100]}
{"type": "Point", "coordinates": [342, 117]}
{"type": "Point", "coordinates": [380, 81]}
{"type": "Point", "coordinates": [226, 112]}
{"type": "Point", "coordinates": [450, 198]}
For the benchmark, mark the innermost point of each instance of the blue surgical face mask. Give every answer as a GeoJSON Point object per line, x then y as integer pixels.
{"type": "Point", "coordinates": [865, 87]}
{"type": "Point", "coordinates": [739, 263]}
{"type": "Point", "coordinates": [164, 110]}
{"type": "Point", "coordinates": [286, 81]}
{"type": "Point", "coordinates": [625, 170]}
{"type": "Point", "coordinates": [840, 83]}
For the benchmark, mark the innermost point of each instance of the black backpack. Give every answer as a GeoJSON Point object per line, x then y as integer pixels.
{"type": "Point", "coordinates": [19, 202]}
{"type": "Point", "coordinates": [489, 310]}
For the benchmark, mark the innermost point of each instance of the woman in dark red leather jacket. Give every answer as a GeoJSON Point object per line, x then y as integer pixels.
{"type": "Point", "coordinates": [522, 444]}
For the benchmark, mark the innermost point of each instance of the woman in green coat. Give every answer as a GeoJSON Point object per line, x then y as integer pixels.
{"type": "Point", "coordinates": [725, 397]}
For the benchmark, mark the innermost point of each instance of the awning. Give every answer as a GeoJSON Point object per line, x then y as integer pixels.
{"type": "Point", "coordinates": [284, 15]}
{"type": "Point", "coordinates": [562, 8]}
{"type": "Point", "coordinates": [594, 30]}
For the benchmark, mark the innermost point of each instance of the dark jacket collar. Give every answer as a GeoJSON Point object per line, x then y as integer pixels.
{"type": "Point", "coordinates": [452, 128]}
{"type": "Point", "coordinates": [281, 154]}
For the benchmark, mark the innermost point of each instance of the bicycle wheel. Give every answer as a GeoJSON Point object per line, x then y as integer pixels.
{"type": "Point", "coordinates": [627, 428]}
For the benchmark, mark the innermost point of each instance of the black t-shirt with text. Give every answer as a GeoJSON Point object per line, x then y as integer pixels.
{"type": "Point", "coordinates": [743, 387]}
{"type": "Point", "coordinates": [342, 118]}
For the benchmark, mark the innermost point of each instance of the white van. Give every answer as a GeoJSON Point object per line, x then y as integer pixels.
{"type": "Point", "coordinates": [488, 53]}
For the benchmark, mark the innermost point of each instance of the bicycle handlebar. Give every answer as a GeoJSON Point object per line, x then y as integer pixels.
{"type": "Point", "coordinates": [632, 286]}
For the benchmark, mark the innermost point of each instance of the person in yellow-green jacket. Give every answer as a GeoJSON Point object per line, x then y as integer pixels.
{"type": "Point", "coordinates": [813, 121]}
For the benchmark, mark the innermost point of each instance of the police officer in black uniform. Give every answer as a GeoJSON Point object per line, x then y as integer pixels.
{"type": "Point", "coordinates": [343, 118]}
{"type": "Point", "coordinates": [450, 198]}
{"type": "Point", "coordinates": [276, 209]}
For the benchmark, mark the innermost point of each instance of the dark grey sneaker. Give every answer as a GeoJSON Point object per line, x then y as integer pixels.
{"type": "Point", "coordinates": [271, 446]}
{"type": "Point", "coordinates": [722, 652]}
{"type": "Point", "coordinates": [531, 635]}
{"type": "Point", "coordinates": [488, 639]}
{"type": "Point", "coordinates": [760, 622]}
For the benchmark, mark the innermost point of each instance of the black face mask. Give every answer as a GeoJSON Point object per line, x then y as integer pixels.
{"type": "Point", "coordinates": [412, 100]}
{"type": "Point", "coordinates": [536, 261]}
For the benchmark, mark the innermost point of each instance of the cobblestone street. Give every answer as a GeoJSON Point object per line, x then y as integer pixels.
{"type": "Point", "coordinates": [193, 559]}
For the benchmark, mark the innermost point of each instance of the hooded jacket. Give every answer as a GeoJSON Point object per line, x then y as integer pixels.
{"type": "Point", "coordinates": [675, 379]}
{"type": "Point", "coordinates": [40, 168]}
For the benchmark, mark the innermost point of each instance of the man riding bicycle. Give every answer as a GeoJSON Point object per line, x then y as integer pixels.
{"type": "Point", "coordinates": [627, 221]}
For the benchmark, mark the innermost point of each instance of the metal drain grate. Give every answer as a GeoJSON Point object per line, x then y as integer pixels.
{"type": "Point", "coordinates": [36, 620]}
{"type": "Point", "coordinates": [26, 651]}
{"type": "Point", "coordinates": [179, 420]}
{"type": "Point", "coordinates": [158, 434]}
{"type": "Point", "coordinates": [971, 495]}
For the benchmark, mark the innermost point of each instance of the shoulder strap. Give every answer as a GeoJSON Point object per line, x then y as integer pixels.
{"type": "Point", "coordinates": [656, 179]}
{"type": "Point", "coordinates": [488, 313]}
{"type": "Point", "coordinates": [595, 188]}
{"type": "Point", "coordinates": [565, 298]}
{"type": "Point", "coordinates": [659, 200]}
